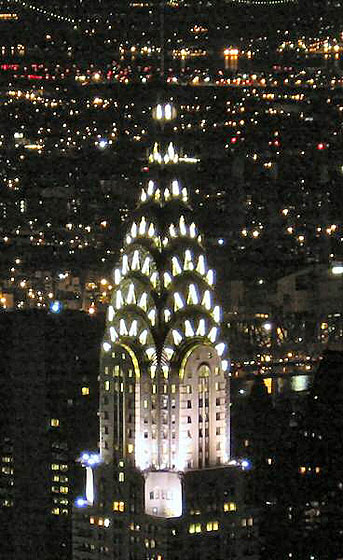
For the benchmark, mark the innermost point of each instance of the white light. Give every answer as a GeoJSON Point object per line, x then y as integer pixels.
{"type": "Point", "coordinates": [150, 352]}
{"type": "Point", "coordinates": [152, 317]}
{"type": "Point", "coordinates": [176, 266]}
{"type": "Point", "coordinates": [188, 264]}
{"type": "Point", "coordinates": [267, 326]}
{"type": "Point", "coordinates": [159, 113]}
{"type": "Point", "coordinates": [216, 313]}
{"type": "Point", "coordinates": [225, 365]}
{"type": "Point", "coordinates": [183, 229]}
{"type": "Point", "coordinates": [89, 486]}
{"type": "Point", "coordinates": [125, 264]}
{"type": "Point", "coordinates": [142, 225]}
{"type": "Point", "coordinates": [113, 334]}
{"type": "Point", "coordinates": [143, 301]}
{"type": "Point", "coordinates": [119, 300]}
{"type": "Point", "coordinates": [117, 276]}
{"type": "Point", "coordinates": [206, 300]}
{"type": "Point", "coordinates": [133, 328]}
{"type": "Point", "coordinates": [151, 230]}
{"type": "Point", "coordinates": [192, 230]}
{"type": "Point", "coordinates": [135, 261]}
{"type": "Point", "coordinates": [172, 230]}
{"type": "Point", "coordinates": [167, 279]}
{"type": "Point", "coordinates": [110, 313]}
{"type": "Point", "coordinates": [188, 328]}
{"type": "Point", "coordinates": [212, 335]}
{"type": "Point", "coordinates": [177, 337]}
{"type": "Point", "coordinates": [171, 151]}
{"type": "Point", "coordinates": [168, 352]}
{"type": "Point", "coordinates": [131, 296]}
{"type": "Point", "coordinates": [143, 337]}
{"type": "Point", "coordinates": [201, 328]}
{"type": "Point", "coordinates": [134, 230]}
{"type": "Point", "coordinates": [192, 295]}
{"type": "Point", "coordinates": [146, 266]}
{"type": "Point", "coordinates": [337, 269]}
{"type": "Point", "coordinates": [122, 327]}
{"type": "Point", "coordinates": [103, 143]}
{"type": "Point", "coordinates": [106, 346]}
{"type": "Point", "coordinates": [167, 315]}
{"type": "Point", "coordinates": [201, 265]}
{"type": "Point", "coordinates": [106, 522]}
{"type": "Point", "coordinates": [178, 302]}
{"type": "Point", "coordinates": [175, 188]}
{"type": "Point", "coordinates": [210, 277]}
{"type": "Point", "coordinates": [154, 279]}
{"type": "Point", "coordinates": [220, 348]}
{"type": "Point", "coordinates": [168, 112]}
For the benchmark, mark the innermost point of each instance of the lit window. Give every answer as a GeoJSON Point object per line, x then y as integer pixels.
{"type": "Point", "coordinates": [107, 385]}
{"type": "Point", "coordinates": [130, 448]}
{"type": "Point", "coordinates": [55, 467]}
{"type": "Point", "coordinates": [198, 528]}
{"type": "Point", "coordinates": [250, 521]}
{"type": "Point", "coordinates": [121, 477]}
{"type": "Point", "coordinates": [302, 470]}
{"type": "Point", "coordinates": [64, 489]}
{"type": "Point", "coordinates": [119, 506]}
{"type": "Point", "coordinates": [85, 390]}
{"type": "Point", "coordinates": [55, 511]}
{"type": "Point", "coordinates": [91, 520]}
{"type": "Point", "coordinates": [230, 506]}
{"type": "Point", "coordinates": [54, 422]}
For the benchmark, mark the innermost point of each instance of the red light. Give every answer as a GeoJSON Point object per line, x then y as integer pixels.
{"type": "Point", "coordinates": [233, 140]}
{"type": "Point", "coordinates": [321, 146]}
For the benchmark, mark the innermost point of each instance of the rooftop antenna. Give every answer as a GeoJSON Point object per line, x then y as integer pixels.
{"type": "Point", "coordinates": [162, 6]}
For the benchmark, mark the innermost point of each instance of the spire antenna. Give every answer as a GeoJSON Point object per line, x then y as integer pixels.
{"type": "Point", "coordinates": [162, 39]}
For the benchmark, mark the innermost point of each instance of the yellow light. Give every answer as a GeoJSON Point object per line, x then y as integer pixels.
{"type": "Point", "coordinates": [103, 282]}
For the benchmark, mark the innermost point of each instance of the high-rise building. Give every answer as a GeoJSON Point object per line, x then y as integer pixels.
{"type": "Point", "coordinates": [162, 486]}
{"type": "Point", "coordinates": [48, 383]}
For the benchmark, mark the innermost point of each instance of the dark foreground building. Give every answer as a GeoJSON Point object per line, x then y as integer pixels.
{"type": "Point", "coordinates": [48, 384]}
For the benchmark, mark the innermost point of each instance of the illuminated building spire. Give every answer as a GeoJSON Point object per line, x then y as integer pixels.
{"type": "Point", "coordinates": [163, 375]}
